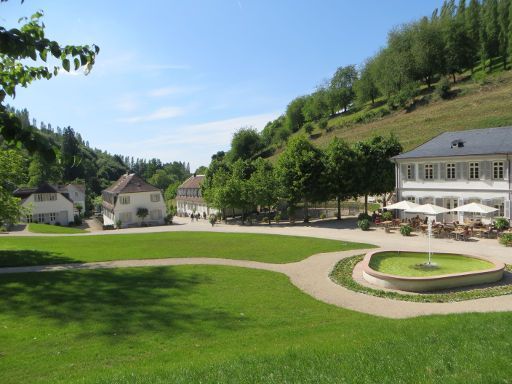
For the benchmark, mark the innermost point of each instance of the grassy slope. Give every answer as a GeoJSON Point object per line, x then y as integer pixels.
{"type": "Point", "coordinates": [16, 251]}
{"type": "Point", "coordinates": [44, 228]}
{"type": "Point", "coordinates": [405, 264]}
{"type": "Point", "coordinates": [207, 324]}
{"type": "Point", "coordinates": [476, 106]}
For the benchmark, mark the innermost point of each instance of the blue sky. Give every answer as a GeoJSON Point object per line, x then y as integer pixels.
{"type": "Point", "coordinates": [175, 79]}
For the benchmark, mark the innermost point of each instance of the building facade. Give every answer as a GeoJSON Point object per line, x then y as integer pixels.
{"type": "Point", "coordinates": [189, 199]}
{"type": "Point", "coordinates": [123, 199]}
{"type": "Point", "coordinates": [45, 204]}
{"type": "Point", "coordinates": [457, 168]}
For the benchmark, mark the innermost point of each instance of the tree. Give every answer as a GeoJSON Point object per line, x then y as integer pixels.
{"type": "Point", "coordinates": [340, 163]}
{"type": "Point", "coordinates": [160, 179]}
{"type": "Point", "coordinates": [341, 90]}
{"type": "Point", "coordinates": [503, 17]}
{"type": "Point", "coordinates": [171, 191]}
{"type": "Point", "coordinates": [12, 173]}
{"type": "Point", "coordinates": [264, 184]}
{"type": "Point", "coordinates": [41, 171]}
{"type": "Point", "coordinates": [458, 51]}
{"type": "Point", "coordinates": [490, 30]}
{"type": "Point", "coordinates": [246, 143]}
{"type": "Point", "coordinates": [365, 87]}
{"type": "Point", "coordinates": [375, 171]}
{"type": "Point", "coordinates": [300, 171]}
{"type": "Point", "coordinates": [316, 105]}
{"type": "Point", "coordinates": [294, 116]}
{"type": "Point", "coordinates": [71, 156]}
{"type": "Point", "coordinates": [141, 214]}
{"type": "Point", "coordinates": [17, 48]}
{"type": "Point", "coordinates": [427, 50]}
{"type": "Point", "coordinates": [473, 26]}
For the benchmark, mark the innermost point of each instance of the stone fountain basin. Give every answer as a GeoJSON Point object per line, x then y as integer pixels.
{"type": "Point", "coordinates": [432, 283]}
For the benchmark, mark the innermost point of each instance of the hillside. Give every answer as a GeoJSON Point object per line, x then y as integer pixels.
{"type": "Point", "coordinates": [483, 104]}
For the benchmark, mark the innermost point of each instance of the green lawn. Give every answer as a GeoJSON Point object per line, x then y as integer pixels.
{"type": "Point", "coordinates": [213, 324]}
{"type": "Point", "coordinates": [45, 228]}
{"type": "Point", "coordinates": [17, 251]}
{"type": "Point", "coordinates": [407, 263]}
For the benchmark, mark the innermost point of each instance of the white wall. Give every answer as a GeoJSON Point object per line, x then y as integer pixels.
{"type": "Point", "coordinates": [62, 207]}
{"type": "Point", "coordinates": [188, 207]}
{"type": "Point", "coordinates": [486, 190]}
{"type": "Point", "coordinates": [138, 200]}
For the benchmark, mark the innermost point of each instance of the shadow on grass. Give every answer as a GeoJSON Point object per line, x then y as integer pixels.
{"type": "Point", "coordinates": [115, 303]}
{"type": "Point", "coordinates": [28, 257]}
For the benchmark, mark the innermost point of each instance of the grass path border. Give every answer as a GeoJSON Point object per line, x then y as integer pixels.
{"type": "Point", "coordinates": [342, 275]}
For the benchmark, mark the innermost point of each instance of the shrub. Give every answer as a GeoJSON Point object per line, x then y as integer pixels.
{"type": "Point", "coordinates": [386, 216]}
{"type": "Point", "coordinates": [323, 123]}
{"type": "Point", "coordinates": [364, 224]}
{"type": "Point", "coordinates": [57, 223]}
{"type": "Point", "coordinates": [322, 216]}
{"type": "Point", "coordinates": [108, 227]}
{"type": "Point", "coordinates": [506, 239]}
{"type": "Point", "coordinates": [264, 219]}
{"type": "Point", "coordinates": [77, 220]}
{"type": "Point", "coordinates": [363, 216]}
{"type": "Point", "coordinates": [308, 127]}
{"type": "Point", "coordinates": [406, 230]}
{"type": "Point", "coordinates": [443, 88]}
{"type": "Point", "coordinates": [119, 223]}
{"type": "Point", "coordinates": [277, 217]}
{"type": "Point", "coordinates": [501, 224]}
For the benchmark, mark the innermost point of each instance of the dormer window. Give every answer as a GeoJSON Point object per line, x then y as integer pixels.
{"type": "Point", "coordinates": [457, 143]}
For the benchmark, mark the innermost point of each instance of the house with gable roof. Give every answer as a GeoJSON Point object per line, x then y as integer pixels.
{"type": "Point", "coordinates": [46, 204]}
{"type": "Point", "coordinates": [123, 198]}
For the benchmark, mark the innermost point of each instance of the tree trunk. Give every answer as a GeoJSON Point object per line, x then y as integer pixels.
{"type": "Point", "coordinates": [454, 79]}
{"type": "Point", "coordinates": [338, 201]}
{"type": "Point", "coordinates": [306, 215]}
{"type": "Point", "coordinates": [366, 203]}
{"type": "Point", "coordinates": [268, 217]}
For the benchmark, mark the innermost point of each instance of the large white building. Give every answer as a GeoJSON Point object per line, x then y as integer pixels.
{"type": "Point", "coordinates": [46, 204]}
{"type": "Point", "coordinates": [189, 199]}
{"type": "Point", "coordinates": [457, 168]}
{"type": "Point", "coordinates": [122, 200]}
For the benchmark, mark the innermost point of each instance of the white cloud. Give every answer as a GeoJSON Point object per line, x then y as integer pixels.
{"type": "Point", "coordinates": [127, 103]}
{"type": "Point", "coordinates": [172, 90]}
{"type": "Point", "coordinates": [194, 143]}
{"type": "Point", "coordinates": [160, 114]}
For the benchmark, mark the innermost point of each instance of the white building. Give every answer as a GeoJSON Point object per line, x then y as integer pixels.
{"type": "Point", "coordinates": [456, 168]}
{"type": "Point", "coordinates": [189, 199]}
{"type": "Point", "coordinates": [76, 193]}
{"type": "Point", "coordinates": [45, 204]}
{"type": "Point", "coordinates": [122, 200]}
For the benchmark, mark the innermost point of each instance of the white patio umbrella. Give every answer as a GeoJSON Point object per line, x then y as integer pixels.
{"type": "Point", "coordinates": [475, 208]}
{"type": "Point", "coordinates": [428, 209]}
{"type": "Point", "coordinates": [402, 205]}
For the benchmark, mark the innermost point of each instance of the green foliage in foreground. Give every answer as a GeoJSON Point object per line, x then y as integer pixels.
{"type": "Point", "coordinates": [211, 324]}
{"type": "Point", "coordinates": [342, 275]}
{"type": "Point", "coordinates": [17, 251]}
{"type": "Point", "coordinates": [407, 263]}
{"type": "Point", "coordinates": [45, 228]}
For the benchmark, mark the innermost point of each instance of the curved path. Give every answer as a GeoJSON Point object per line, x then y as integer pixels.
{"type": "Point", "coordinates": [311, 275]}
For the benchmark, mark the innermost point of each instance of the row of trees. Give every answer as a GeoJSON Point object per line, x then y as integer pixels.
{"type": "Point", "coordinates": [303, 174]}
{"type": "Point", "coordinates": [456, 38]}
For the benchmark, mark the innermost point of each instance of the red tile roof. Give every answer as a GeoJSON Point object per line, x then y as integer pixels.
{"type": "Point", "coordinates": [130, 184]}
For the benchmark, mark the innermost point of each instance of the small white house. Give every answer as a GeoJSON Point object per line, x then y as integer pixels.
{"type": "Point", "coordinates": [122, 200]}
{"type": "Point", "coordinates": [456, 168]}
{"type": "Point", "coordinates": [45, 204]}
{"type": "Point", "coordinates": [189, 199]}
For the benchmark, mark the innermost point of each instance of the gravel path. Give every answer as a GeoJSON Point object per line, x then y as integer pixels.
{"type": "Point", "coordinates": [311, 276]}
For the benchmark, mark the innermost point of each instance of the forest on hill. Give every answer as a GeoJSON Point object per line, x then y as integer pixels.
{"type": "Point", "coordinates": [79, 163]}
